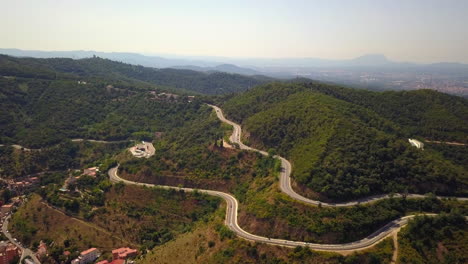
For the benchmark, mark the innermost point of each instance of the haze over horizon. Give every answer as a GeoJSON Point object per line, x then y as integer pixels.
{"type": "Point", "coordinates": [416, 31]}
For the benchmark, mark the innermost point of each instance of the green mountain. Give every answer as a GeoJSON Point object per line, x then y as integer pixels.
{"type": "Point", "coordinates": [192, 81]}
{"type": "Point", "coordinates": [347, 143]}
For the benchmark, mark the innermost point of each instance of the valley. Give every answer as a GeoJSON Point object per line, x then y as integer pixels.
{"type": "Point", "coordinates": [311, 168]}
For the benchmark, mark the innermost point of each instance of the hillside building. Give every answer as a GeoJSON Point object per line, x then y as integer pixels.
{"type": "Point", "coordinates": [8, 252]}
{"type": "Point", "coordinates": [123, 253]}
{"type": "Point", "coordinates": [5, 209]}
{"type": "Point", "coordinates": [416, 143]}
{"type": "Point", "coordinates": [87, 256]}
{"type": "Point", "coordinates": [91, 171]}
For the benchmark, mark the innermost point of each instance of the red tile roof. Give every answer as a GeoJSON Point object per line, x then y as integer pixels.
{"type": "Point", "coordinates": [88, 251]}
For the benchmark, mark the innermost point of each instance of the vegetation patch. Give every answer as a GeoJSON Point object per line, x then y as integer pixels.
{"type": "Point", "coordinates": [208, 244]}
{"type": "Point", "coordinates": [342, 147]}
{"type": "Point", "coordinates": [439, 239]}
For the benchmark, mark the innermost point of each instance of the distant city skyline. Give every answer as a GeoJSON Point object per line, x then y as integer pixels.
{"type": "Point", "coordinates": [422, 31]}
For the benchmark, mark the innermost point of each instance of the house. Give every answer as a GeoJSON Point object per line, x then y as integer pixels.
{"type": "Point", "coordinates": [5, 209]}
{"type": "Point", "coordinates": [168, 96]}
{"type": "Point", "coordinates": [20, 185]}
{"type": "Point", "coordinates": [8, 252]}
{"type": "Point", "coordinates": [416, 143]}
{"type": "Point", "coordinates": [34, 180]}
{"type": "Point", "coordinates": [91, 171]}
{"type": "Point", "coordinates": [41, 249]}
{"type": "Point", "coordinates": [87, 256]}
{"type": "Point", "coordinates": [123, 253]}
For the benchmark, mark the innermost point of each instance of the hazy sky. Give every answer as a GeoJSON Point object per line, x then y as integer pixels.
{"type": "Point", "coordinates": [404, 30]}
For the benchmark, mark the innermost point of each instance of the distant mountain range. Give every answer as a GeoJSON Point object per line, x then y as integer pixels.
{"type": "Point", "coordinates": [372, 71]}
{"type": "Point", "coordinates": [231, 68]}
{"type": "Point", "coordinates": [276, 67]}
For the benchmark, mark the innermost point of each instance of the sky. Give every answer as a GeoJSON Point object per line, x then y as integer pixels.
{"type": "Point", "coordinates": [404, 30]}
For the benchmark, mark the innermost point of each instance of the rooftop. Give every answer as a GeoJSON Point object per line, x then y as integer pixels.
{"type": "Point", "coordinates": [88, 251]}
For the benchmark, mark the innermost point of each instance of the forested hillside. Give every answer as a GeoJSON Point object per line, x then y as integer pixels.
{"type": "Point", "coordinates": [344, 144]}
{"type": "Point", "coordinates": [44, 102]}
{"type": "Point", "coordinates": [440, 239]}
{"type": "Point", "coordinates": [38, 113]}
{"type": "Point", "coordinates": [425, 113]}
{"type": "Point", "coordinates": [188, 80]}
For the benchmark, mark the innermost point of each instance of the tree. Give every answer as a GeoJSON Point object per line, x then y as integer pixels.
{"type": "Point", "coordinates": [6, 195]}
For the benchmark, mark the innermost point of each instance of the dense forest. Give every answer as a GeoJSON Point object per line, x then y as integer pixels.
{"type": "Point", "coordinates": [440, 239]}
{"type": "Point", "coordinates": [38, 113]}
{"type": "Point", "coordinates": [342, 149]}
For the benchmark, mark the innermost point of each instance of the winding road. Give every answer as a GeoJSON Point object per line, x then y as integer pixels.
{"type": "Point", "coordinates": [285, 185]}
{"type": "Point", "coordinates": [231, 222]}
{"type": "Point", "coordinates": [285, 174]}
{"type": "Point", "coordinates": [25, 252]}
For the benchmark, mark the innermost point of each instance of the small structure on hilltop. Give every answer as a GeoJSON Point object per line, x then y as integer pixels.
{"type": "Point", "coordinates": [91, 171]}
{"type": "Point", "coordinates": [143, 150]}
{"type": "Point", "coordinates": [416, 143]}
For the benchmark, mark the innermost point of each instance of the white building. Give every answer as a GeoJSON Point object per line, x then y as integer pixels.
{"type": "Point", "coordinates": [416, 143]}
{"type": "Point", "coordinates": [87, 256]}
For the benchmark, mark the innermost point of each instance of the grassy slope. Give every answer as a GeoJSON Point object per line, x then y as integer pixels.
{"type": "Point", "coordinates": [126, 219]}
{"type": "Point", "coordinates": [338, 148]}
{"type": "Point", "coordinates": [49, 223]}
{"type": "Point", "coordinates": [155, 220]}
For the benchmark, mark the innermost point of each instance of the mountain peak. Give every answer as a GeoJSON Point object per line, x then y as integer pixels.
{"type": "Point", "coordinates": [371, 59]}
